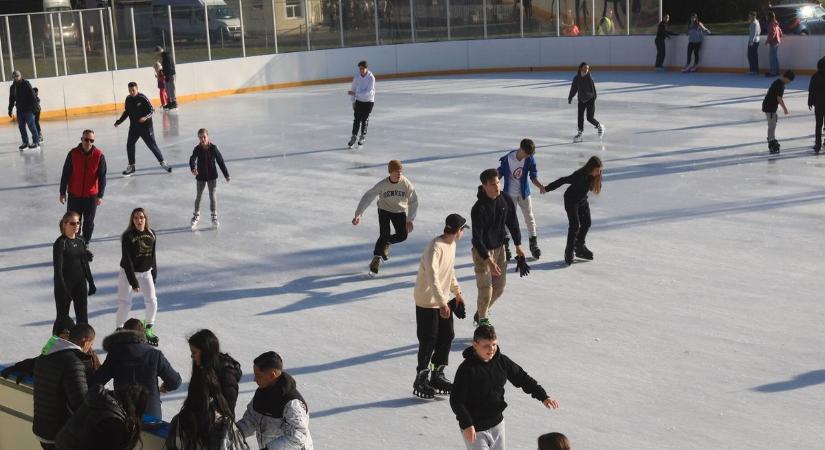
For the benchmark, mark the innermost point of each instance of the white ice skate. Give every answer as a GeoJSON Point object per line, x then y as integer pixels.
{"type": "Point", "coordinates": [352, 141]}
{"type": "Point", "coordinates": [578, 137]}
{"type": "Point", "coordinates": [215, 223]}
{"type": "Point", "coordinates": [600, 130]}
{"type": "Point", "coordinates": [194, 222]}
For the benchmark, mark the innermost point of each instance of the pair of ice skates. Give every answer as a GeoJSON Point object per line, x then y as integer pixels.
{"type": "Point", "coordinates": [599, 129]}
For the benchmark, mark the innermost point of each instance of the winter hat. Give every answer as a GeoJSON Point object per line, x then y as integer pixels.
{"type": "Point", "coordinates": [455, 222]}
{"type": "Point", "coordinates": [394, 165]}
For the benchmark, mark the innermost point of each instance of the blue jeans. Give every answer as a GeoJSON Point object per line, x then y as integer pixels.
{"type": "Point", "coordinates": [26, 119]}
{"type": "Point", "coordinates": [774, 57]}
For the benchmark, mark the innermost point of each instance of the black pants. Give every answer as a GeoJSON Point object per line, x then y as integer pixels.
{"type": "Point", "coordinates": [48, 446]}
{"type": "Point", "coordinates": [820, 114]}
{"type": "Point", "coordinates": [590, 107]}
{"type": "Point", "coordinates": [578, 218]}
{"type": "Point", "coordinates": [37, 122]}
{"type": "Point", "coordinates": [435, 337]}
{"type": "Point", "coordinates": [362, 117]}
{"type": "Point", "coordinates": [86, 207]}
{"type": "Point", "coordinates": [399, 223]}
{"type": "Point", "coordinates": [753, 57]}
{"type": "Point", "coordinates": [146, 133]}
{"type": "Point", "coordinates": [77, 294]}
{"type": "Point", "coordinates": [660, 53]}
{"type": "Point", "coordinates": [693, 47]}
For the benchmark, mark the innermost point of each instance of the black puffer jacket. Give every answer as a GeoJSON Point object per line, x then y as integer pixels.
{"type": "Point", "coordinates": [131, 360]}
{"type": "Point", "coordinates": [100, 424]}
{"type": "Point", "coordinates": [229, 375]}
{"type": "Point", "coordinates": [59, 388]}
{"type": "Point", "coordinates": [489, 218]}
{"type": "Point", "coordinates": [477, 397]}
{"type": "Point", "coordinates": [21, 95]}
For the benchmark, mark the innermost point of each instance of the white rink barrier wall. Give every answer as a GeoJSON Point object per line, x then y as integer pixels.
{"type": "Point", "coordinates": [75, 95]}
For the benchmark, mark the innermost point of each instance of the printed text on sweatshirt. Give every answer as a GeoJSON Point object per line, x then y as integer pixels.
{"type": "Point", "coordinates": [392, 197]}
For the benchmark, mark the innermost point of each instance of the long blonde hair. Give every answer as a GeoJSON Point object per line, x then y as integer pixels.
{"type": "Point", "coordinates": [596, 183]}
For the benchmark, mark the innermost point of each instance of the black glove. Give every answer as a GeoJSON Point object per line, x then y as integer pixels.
{"type": "Point", "coordinates": [92, 289]}
{"type": "Point", "coordinates": [521, 267]}
{"type": "Point", "coordinates": [569, 101]}
{"type": "Point", "coordinates": [457, 308]}
{"type": "Point", "coordinates": [89, 255]}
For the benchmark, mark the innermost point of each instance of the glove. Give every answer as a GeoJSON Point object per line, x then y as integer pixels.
{"type": "Point", "coordinates": [89, 255]}
{"type": "Point", "coordinates": [521, 267]}
{"type": "Point", "coordinates": [569, 101]}
{"type": "Point", "coordinates": [457, 308]}
{"type": "Point", "coordinates": [92, 289]}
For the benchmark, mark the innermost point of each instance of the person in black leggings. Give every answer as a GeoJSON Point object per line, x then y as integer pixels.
{"type": "Point", "coordinates": [71, 272]}
{"type": "Point", "coordinates": [582, 181]}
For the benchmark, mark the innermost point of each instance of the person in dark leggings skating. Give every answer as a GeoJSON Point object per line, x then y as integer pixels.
{"type": "Point", "coordinates": [584, 86]}
{"type": "Point", "coordinates": [362, 92]}
{"type": "Point", "coordinates": [139, 110]}
{"type": "Point", "coordinates": [816, 100]}
{"type": "Point", "coordinates": [71, 272]}
{"type": "Point", "coordinates": [696, 34]}
{"type": "Point", "coordinates": [587, 179]}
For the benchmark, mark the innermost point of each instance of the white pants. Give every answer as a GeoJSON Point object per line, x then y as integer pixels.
{"type": "Point", "coordinates": [492, 439]}
{"type": "Point", "coordinates": [124, 296]}
{"type": "Point", "coordinates": [526, 205]}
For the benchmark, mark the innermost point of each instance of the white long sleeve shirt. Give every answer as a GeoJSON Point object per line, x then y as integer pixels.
{"type": "Point", "coordinates": [364, 87]}
{"type": "Point", "coordinates": [436, 275]}
{"type": "Point", "coordinates": [397, 197]}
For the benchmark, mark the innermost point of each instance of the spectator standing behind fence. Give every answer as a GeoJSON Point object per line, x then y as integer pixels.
{"type": "Point", "coordinates": [168, 66]}
{"type": "Point", "coordinates": [754, 30]}
{"type": "Point", "coordinates": [605, 26]}
{"type": "Point", "coordinates": [662, 34]}
{"type": "Point", "coordinates": [774, 39]}
{"type": "Point", "coordinates": [696, 34]}
{"type": "Point", "coordinates": [22, 96]}
{"type": "Point", "coordinates": [164, 98]}
{"type": "Point", "coordinates": [816, 100]}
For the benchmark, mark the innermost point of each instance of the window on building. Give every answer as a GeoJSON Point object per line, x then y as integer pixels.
{"type": "Point", "coordinates": [294, 9]}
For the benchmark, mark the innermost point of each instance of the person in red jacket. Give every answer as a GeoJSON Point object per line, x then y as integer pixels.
{"type": "Point", "coordinates": [84, 174]}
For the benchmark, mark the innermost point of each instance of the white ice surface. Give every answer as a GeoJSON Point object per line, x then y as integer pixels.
{"type": "Point", "coordinates": [698, 325]}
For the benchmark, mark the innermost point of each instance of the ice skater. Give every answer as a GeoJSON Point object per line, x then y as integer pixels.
{"type": "Point", "coordinates": [21, 96]}
{"type": "Point", "coordinates": [477, 398]}
{"type": "Point", "coordinates": [516, 167]}
{"type": "Point", "coordinates": [816, 100]}
{"type": "Point", "coordinates": [584, 86]}
{"type": "Point", "coordinates": [696, 34]}
{"type": "Point", "coordinates": [202, 164]}
{"type": "Point", "coordinates": [84, 179]}
{"type": "Point", "coordinates": [138, 272]}
{"type": "Point", "coordinates": [770, 105]}
{"type": "Point", "coordinates": [662, 35]}
{"type": "Point", "coordinates": [434, 284]}
{"type": "Point", "coordinates": [138, 109]}
{"type": "Point", "coordinates": [73, 281]}
{"type": "Point", "coordinates": [362, 94]}
{"type": "Point", "coordinates": [397, 204]}
{"type": "Point", "coordinates": [584, 180]}
{"type": "Point", "coordinates": [36, 111]}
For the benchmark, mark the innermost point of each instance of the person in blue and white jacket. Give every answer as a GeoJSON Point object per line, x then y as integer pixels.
{"type": "Point", "coordinates": [516, 166]}
{"type": "Point", "coordinates": [362, 93]}
{"type": "Point", "coordinates": [277, 414]}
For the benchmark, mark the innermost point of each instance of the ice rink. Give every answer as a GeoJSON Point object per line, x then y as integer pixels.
{"type": "Point", "coordinates": [698, 324]}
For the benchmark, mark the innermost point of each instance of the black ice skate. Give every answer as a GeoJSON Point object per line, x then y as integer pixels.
{"type": "Point", "coordinates": [385, 252]}
{"type": "Point", "coordinates": [376, 261]}
{"type": "Point", "coordinates": [568, 256]}
{"type": "Point", "coordinates": [130, 169]}
{"type": "Point", "coordinates": [534, 247]}
{"type": "Point", "coordinates": [422, 387]}
{"type": "Point", "coordinates": [817, 149]}
{"type": "Point", "coordinates": [352, 141]}
{"type": "Point", "coordinates": [578, 137]}
{"type": "Point", "coordinates": [507, 254]}
{"type": "Point", "coordinates": [773, 147]}
{"type": "Point", "coordinates": [584, 253]}
{"type": "Point", "coordinates": [439, 382]}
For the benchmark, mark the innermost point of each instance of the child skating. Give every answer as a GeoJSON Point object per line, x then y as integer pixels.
{"type": "Point", "coordinates": [202, 164]}
{"type": "Point", "coordinates": [587, 179]}
{"type": "Point", "coordinates": [362, 94]}
{"type": "Point", "coordinates": [138, 271]}
{"type": "Point", "coordinates": [397, 204]}
{"type": "Point", "coordinates": [515, 169]}
{"type": "Point", "coordinates": [770, 105]}
{"type": "Point", "coordinates": [584, 86]}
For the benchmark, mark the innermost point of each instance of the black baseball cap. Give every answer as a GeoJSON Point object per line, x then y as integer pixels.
{"type": "Point", "coordinates": [455, 222]}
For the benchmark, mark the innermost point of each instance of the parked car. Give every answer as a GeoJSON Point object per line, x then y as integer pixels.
{"type": "Point", "coordinates": [188, 21]}
{"type": "Point", "coordinates": [799, 18]}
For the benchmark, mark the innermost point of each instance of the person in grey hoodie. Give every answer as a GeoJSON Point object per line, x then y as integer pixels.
{"type": "Point", "coordinates": [278, 415]}
{"type": "Point", "coordinates": [754, 30]}
{"type": "Point", "coordinates": [696, 34]}
{"type": "Point", "coordinates": [584, 86]}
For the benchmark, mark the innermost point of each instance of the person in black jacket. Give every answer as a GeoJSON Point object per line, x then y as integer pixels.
{"type": "Point", "coordinates": [168, 66]}
{"type": "Point", "coordinates": [202, 164]}
{"type": "Point", "coordinates": [131, 360]}
{"type": "Point", "coordinates": [36, 112]}
{"type": "Point", "coordinates": [22, 96]}
{"type": "Point", "coordinates": [816, 100]}
{"type": "Point", "coordinates": [138, 271]}
{"type": "Point", "coordinates": [60, 383]}
{"type": "Point", "coordinates": [770, 105]}
{"type": "Point", "coordinates": [584, 86]}
{"type": "Point", "coordinates": [139, 110]}
{"type": "Point", "coordinates": [582, 181]}
{"type": "Point", "coordinates": [662, 34]}
{"type": "Point", "coordinates": [71, 272]}
{"type": "Point", "coordinates": [477, 398]}
{"type": "Point", "coordinates": [107, 421]}
{"type": "Point", "coordinates": [491, 213]}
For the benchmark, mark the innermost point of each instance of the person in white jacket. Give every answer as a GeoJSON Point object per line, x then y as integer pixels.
{"type": "Point", "coordinates": [362, 94]}
{"type": "Point", "coordinates": [278, 415]}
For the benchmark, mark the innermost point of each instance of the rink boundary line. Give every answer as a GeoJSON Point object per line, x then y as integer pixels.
{"type": "Point", "coordinates": [105, 108]}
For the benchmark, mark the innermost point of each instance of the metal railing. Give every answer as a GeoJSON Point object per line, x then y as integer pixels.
{"type": "Point", "coordinates": [60, 43]}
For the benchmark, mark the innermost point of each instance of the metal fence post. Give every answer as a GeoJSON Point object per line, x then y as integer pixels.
{"type": "Point", "coordinates": [412, 21]}
{"type": "Point", "coordinates": [306, 22]}
{"type": "Point", "coordinates": [54, 45]}
{"type": "Point", "coordinates": [521, 16]}
{"type": "Point", "coordinates": [341, 21]}
{"type": "Point", "coordinates": [377, 36]}
{"type": "Point", "coordinates": [627, 5]}
{"type": "Point", "coordinates": [134, 36]}
{"type": "Point", "coordinates": [103, 40]}
{"type": "Point", "coordinates": [558, 19]}
{"type": "Point", "coordinates": [2, 61]}
{"type": "Point", "coordinates": [31, 44]}
{"type": "Point", "coordinates": [171, 31]}
{"type": "Point", "coordinates": [449, 37]}
{"type": "Point", "coordinates": [112, 30]}
{"type": "Point", "coordinates": [484, 15]}
{"type": "Point", "coordinates": [593, 16]}
{"type": "Point", "coordinates": [275, 25]}
{"type": "Point", "coordinates": [661, 6]}
{"type": "Point", "coordinates": [62, 43]}
{"type": "Point", "coordinates": [8, 41]}
{"type": "Point", "coordinates": [208, 39]}
{"type": "Point", "coordinates": [243, 40]}
{"type": "Point", "coordinates": [83, 42]}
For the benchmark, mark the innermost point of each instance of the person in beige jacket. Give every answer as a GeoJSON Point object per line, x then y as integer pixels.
{"type": "Point", "coordinates": [434, 320]}
{"type": "Point", "coordinates": [397, 204]}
